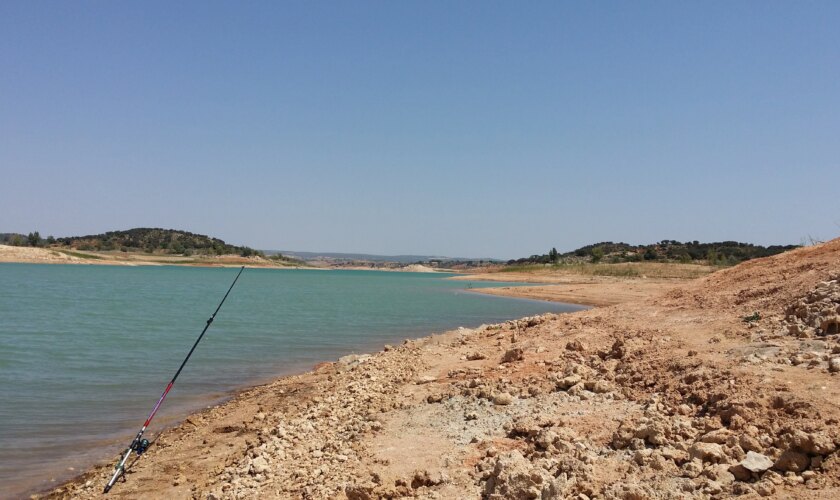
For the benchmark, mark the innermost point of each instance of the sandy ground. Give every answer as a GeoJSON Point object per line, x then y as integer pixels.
{"type": "Point", "coordinates": [669, 394]}
{"type": "Point", "coordinates": [32, 255]}
{"type": "Point", "coordinates": [35, 255]}
{"type": "Point", "coordinates": [605, 293]}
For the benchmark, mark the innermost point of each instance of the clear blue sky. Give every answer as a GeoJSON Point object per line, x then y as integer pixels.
{"type": "Point", "coordinates": [456, 128]}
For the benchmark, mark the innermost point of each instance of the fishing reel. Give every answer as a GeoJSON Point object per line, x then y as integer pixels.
{"type": "Point", "coordinates": [140, 446]}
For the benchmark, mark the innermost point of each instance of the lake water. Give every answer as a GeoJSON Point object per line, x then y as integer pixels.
{"type": "Point", "coordinates": [85, 351]}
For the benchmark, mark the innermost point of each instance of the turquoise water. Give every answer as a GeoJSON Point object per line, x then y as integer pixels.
{"type": "Point", "coordinates": [86, 350]}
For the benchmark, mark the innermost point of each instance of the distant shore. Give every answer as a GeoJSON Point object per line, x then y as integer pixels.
{"type": "Point", "coordinates": [50, 255]}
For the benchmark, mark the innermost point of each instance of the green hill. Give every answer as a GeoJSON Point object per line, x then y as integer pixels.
{"type": "Point", "coordinates": [718, 253]}
{"type": "Point", "coordinates": [141, 239]}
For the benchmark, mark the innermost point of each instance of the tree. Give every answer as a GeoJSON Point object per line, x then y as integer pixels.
{"type": "Point", "coordinates": [553, 255]}
{"type": "Point", "coordinates": [34, 239]}
{"type": "Point", "coordinates": [597, 254]}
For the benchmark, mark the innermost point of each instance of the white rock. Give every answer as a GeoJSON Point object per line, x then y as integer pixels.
{"type": "Point", "coordinates": [756, 462]}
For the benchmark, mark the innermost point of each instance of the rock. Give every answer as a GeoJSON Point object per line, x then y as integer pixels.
{"type": "Point", "coordinates": [740, 472]}
{"type": "Point", "coordinates": [577, 389]}
{"type": "Point", "coordinates": [756, 462]}
{"type": "Point", "coordinates": [502, 399]}
{"type": "Point", "coordinates": [434, 398]}
{"type": "Point", "coordinates": [559, 487]}
{"type": "Point", "coordinates": [720, 474]}
{"type": "Point", "coordinates": [513, 476]}
{"type": "Point", "coordinates": [707, 452]}
{"type": "Point", "coordinates": [515, 354]}
{"type": "Point", "coordinates": [718, 436]}
{"type": "Point", "coordinates": [475, 356]}
{"type": "Point", "coordinates": [618, 351]}
{"type": "Point", "coordinates": [598, 386]}
{"type": "Point", "coordinates": [259, 465]}
{"type": "Point", "coordinates": [749, 443]}
{"type": "Point", "coordinates": [545, 438]}
{"type": "Point", "coordinates": [352, 360]}
{"type": "Point", "coordinates": [359, 492]}
{"type": "Point", "coordinates": [425, 379]}
{"type": "Point", "coordinates": [692, 468]}
{"type": "Point", "coordinates": [764, 488]}
{"type": "Point", "coordinates": [834, 365]}
{"type": "Point", "coordinates": [792, 461]}
{"type": "Point", "coordinates": [814, 443]}
{"type": "Point", "coordinates": [424, 478]}
{"type": "Point", "coordinates": [568, 382]}
{"type": "Point", "coordinates": [575, 345]}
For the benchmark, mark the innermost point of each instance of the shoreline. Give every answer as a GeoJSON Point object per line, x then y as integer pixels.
{"type": "Point", "coordinates": [557, 399]}
{"type": "Point", "coordinates": [37, 255]}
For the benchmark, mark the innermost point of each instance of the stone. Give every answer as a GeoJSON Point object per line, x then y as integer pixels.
{"type": "Point", "coordinates": [598, 386]}
{"type": "Point", "coordinates": [502, 399]}
{"type": "Point", "coordinates": [434, 398]}
{"type": "Point", "coordinates": [575, 345]}
{"type": "Point", "coordinates": [707, 452]}
{"type": "Point", "coordinates": [740, 472]}
{"type": "Point", "coordinates": [513, 476]}
{"type": "Point", "coordinates": [756, 462]}
{"type": "Point", "coordinates": [577, 389]}
{"type": "Point", "coordinates": [749, 443]}
{"type": "Point", "coordinates": [718, 436]}
{"type": "Point", "coordinates": [425, 379]}
{"type": "Point", "coordinates": [792, 461]}
{"type": "Point", "coordinates": [359, 492]}
{"type": "Point", "coordinates": [545, 438]}
{"type": "Point", "coordinates": [259, 465]}
{"type": "Point", "coordinates": [764, 488]}
{"type": "Point", "coordinates": [568, 382]}
{"type": "Point", "coordinates": [618, 351]}
{"type": "Point", "coordinates": [424, 478]}
{"type": "Point", "coordinates": [834, 365]}
{"type": "Point", "coordinates": [475, 356]}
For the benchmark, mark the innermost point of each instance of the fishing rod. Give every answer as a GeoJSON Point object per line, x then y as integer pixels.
{"type": "Point", "coordinates": [140, 445]}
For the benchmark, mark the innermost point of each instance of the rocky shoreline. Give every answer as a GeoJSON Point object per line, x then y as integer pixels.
{"type": "Point", "coordinates": [711, 389]}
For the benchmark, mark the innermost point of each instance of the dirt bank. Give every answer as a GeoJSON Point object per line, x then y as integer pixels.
{"type": "Point", "coordinates": [671, 394]}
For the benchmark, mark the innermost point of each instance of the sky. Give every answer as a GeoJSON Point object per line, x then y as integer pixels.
{"type": "Point", "coordinates": [473, 129]}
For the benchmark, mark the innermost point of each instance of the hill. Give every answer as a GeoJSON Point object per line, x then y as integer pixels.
{"type": "Point", "coordinates": [717, 253]}
{"type": "Point", "coordinates": [149, 240]}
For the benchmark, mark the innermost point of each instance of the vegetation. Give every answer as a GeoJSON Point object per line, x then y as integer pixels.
{"type": "Point", "coordinates": [148, 240]}
{"type": "Point", "coordinates": [622, 270]}
{"type": "Point", "coordinates": [717, 254]}
{"type": "Point", "coordinates": [285, 260]}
